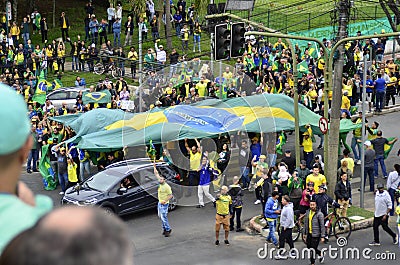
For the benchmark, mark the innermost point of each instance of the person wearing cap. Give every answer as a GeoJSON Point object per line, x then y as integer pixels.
{"type": "Point", "coordinates": [308, 152]}
{"type": "Point", "coordinates": [295, 187]}
{"type": "Point", "coordinates": [383, 206]}
{"type": "Point", "coordinates": [223, 204]}
{"type": "Point", "coordinates": [305, 197]}
{"type": "Point", "coordinates": [369, 157]}
{"type": "Point", "coordinates": [323, 200]}
{"type": "Point", "coordinates": [289, 161]}
{"type": "Point", "coordinates": [316, 178]}
{"type": "Point", "coordinates": [19, 207]}
{"type": "Point", "coordinates": [260, 167]}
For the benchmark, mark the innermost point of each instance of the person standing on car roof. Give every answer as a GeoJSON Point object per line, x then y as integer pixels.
{"type": "Point", "coordinates": [164, 195]}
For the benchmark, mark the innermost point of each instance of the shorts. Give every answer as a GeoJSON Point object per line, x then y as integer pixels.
{"type": "Point", "coordinates": [221, 220]}
{"type": "Point", "coordinates": [368, 97]}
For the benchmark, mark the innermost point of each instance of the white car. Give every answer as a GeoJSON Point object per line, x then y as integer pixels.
{"type": "Point", "coordinates": [61, 95]}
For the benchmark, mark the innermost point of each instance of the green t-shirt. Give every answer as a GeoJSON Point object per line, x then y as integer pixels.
{"type": "Point", "coordinates": [17, 216]}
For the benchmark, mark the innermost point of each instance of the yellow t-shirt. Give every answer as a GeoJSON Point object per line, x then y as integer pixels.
{"type": "Point", "coordinates": [349, 89]}
{"type": "Point", "coordinates": [310, 217]}
{"type": "Point", "coordinates": [398, 215]}
{"type": "Point", "coordinates": [317, 180]}
{"type": "Point", "coordinates": [72, 176]}
{"type": "Point", "coordinates": [195, 161]}
{"type": "Point", "coordinates": [164, 190]}
{"type": "Point", "coordinates": [345, 103]}
{"type": "Point", "coordinates": [64, 23]}
{"type": "Point", "coordinates": [223, 204]}
{"type": "Point", "coordinates": [201, 88]}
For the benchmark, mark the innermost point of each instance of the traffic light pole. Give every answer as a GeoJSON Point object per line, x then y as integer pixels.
{"type": "Point", "coordinates": [295, 96]}
{"type": "Point", "coordinates": [212, 52]}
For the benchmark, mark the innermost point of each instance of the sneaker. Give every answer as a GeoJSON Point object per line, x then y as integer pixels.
{"type": "Point", "coordinates": [226, 242]}
{"type": "Point", "coordinates": [385, 177]}
{"type": "Point", "coordinates": [321, 258]}
{"type": "Point", "coordinates": [319, 147]}
{"type": "Point", "coordinates": [167, 233]}
{"type": "Point", "coordinates": [257, 202]}
{"type": "Point", "coordinates": [396, 240]}
{"type": "Point", "coordinates": [29, 171]}
{"type": "Point", "coordinates": [375, 177]}
{"type": "Point", "coordinates": [163, 233]}
{"type": "Point", "coordinates": [217, 242]}
{"type": "Point", "coordinates": [359, 162]}
{"type": "Point", "coordinates": [231, 229]}
{"type": "Point", "coordinates": [239, 230]}
{"type": "Point", "coordinates": [373, 243]}
{"type": "Point", "coordinates": [214, 204]}
{"type": "Point", "coordinates": [61, 193]}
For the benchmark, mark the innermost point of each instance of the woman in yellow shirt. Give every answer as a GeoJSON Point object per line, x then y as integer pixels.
{"type": "Point", "coordinates": [50, 53]}
{"type": "Point", "coordinates": [15, 31]}
{"type": "Point", "coordinates": [61, 56]}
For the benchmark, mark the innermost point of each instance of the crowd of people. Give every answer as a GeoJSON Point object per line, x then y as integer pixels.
{"type": "Point", "coordinates": [280, 187]}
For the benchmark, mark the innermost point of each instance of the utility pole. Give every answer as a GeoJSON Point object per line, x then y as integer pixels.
{"type": "Point", "coordinates": [140, 67]}
{"type": "Point", "coordinates": [333, 144]}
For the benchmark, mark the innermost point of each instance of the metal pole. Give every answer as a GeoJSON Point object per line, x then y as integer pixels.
{"type": "Point", "coordinates": [220, 79]}
{"type": "Point", "coordinates": [394, 39]}
{"type": "Point", "coordinates": [140, 67]}
{"type": "Point", "coordinates": [364, 96]}
{"type": "Point", "coordinates": [212, 52]}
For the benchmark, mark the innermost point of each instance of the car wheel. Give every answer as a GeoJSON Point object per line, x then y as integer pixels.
{"type": "Point", "coordinates": [108, 210]}
{"type": "Point", "coordinates": [172, 203]}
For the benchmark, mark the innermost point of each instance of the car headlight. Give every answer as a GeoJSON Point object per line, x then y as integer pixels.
{"type": "Point", "coordinates": [88, 202]}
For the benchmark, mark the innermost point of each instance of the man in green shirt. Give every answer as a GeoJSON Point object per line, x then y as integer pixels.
{"type": "Point", "coordinates": [19, 208]}
{"type": "Point", "coordinates": [164, 195]}
{"type": "Point", "coordinates": [223, 203]}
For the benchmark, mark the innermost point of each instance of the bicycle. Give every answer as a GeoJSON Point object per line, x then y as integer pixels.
{"type": "Point", "coordinates": [341, 226]}
{"type": "Point", "coordinates": [100, 68]}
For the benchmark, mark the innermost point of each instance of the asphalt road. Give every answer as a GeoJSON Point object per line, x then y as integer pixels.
{"type": "Point", "coordinates": [192, 239]}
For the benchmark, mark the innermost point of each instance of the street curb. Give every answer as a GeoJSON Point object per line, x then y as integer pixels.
{"type": "Point", "coordinates": [390, 109]}
{"type": "Point", "coordinates": [359, 225]}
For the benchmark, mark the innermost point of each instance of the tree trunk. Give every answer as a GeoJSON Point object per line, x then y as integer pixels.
{"type": "Point", "coordinates": [32, 5]}
{"type": "Point", "coordinates": [392, 5]}
{"type": "Point", "coordinates": [168, 24]}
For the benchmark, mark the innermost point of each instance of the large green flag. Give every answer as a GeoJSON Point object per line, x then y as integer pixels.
{"type": "Point", "coordinates": [103, 96]}
{"type": "Point", "coordinates": [49, 178]}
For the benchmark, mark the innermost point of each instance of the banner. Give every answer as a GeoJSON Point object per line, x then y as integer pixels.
{"type": "Point", "coordinates": [368, 27]}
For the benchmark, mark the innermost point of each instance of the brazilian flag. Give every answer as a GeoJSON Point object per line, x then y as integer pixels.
{"type": "Point", "coordinates": [49, 178]}
{"type": "Point", "coordinates": [280, 142]}
{"type": "Point", "coordinates": [41, 89]}
{"type": "Point", "coordinates": [103, 96]}
{"type": "Point", "coordinates": [151, 152]}
{"type": "Point", "coordinates": [388, 147]}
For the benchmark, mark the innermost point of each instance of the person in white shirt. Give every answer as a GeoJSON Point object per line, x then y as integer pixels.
{"type": "Point", "coordinates": [150, 7]}
{"type": "Point", "coordinates": [110, 17]}
{"type": "Point", "coordinates": [118, 13]}
{"type": "Point", "coordinates": [161, 56]}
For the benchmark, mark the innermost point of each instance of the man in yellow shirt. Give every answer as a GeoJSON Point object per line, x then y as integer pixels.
{"type": "Point", "coordinates": [345, 107]}
{"type": "Point", "coordinates": [194, 165]}
{"type": "Point", "coordinates": [222, 217]}
{"type": "Point", "coordinates": [308, 152]}
{"type": "Point", "coordinates": [317, 178]}
{"type": "Point", "coordinates": [164, 195]}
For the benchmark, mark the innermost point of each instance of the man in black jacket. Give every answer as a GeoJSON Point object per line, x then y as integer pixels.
{"type": "Point", "coordinates": [64, 26]}
{"type": "Point", "coordinates": [236, 193]}
{"type": "Point", "coordinates": [343, 193]}
{"type": "Point", "coordinates": [289, 161]}
{"type": "Point", "coordinates": [244, 164]}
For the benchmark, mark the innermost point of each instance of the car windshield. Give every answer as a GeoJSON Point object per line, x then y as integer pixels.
{"type": "Point", "coordinates": [103, 181]}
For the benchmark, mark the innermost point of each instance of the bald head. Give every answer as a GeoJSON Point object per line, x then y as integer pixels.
{"type": "Point", "coordinates": [68, 220]}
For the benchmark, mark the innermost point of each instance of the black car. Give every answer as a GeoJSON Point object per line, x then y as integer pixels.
{"type": "Point", "coordinates": [108, 188]}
